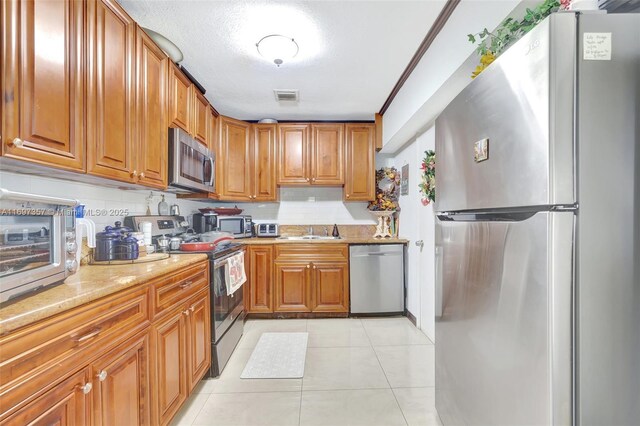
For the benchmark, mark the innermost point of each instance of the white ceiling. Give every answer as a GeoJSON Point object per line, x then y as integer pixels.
{"type": "Point", "coordinates": [351, 52]}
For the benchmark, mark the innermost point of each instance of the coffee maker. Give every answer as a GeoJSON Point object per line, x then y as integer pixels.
{"type": "Point", "coordinates": [205, 222]}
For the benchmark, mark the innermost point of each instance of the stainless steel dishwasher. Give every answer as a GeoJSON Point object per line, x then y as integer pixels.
{"type": "Point", "coordinates": [377, 278]}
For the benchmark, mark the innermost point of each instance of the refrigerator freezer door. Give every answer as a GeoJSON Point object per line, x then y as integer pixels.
{"type": "Point", "coordinates": [503, 327]}
{"type": "Point", "coordinates": [519, 114]}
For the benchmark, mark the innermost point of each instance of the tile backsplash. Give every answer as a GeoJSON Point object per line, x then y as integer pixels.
{"type": "Point", "coordinates": [297, 206]}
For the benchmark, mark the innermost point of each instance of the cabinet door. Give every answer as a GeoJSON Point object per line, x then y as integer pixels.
{"type": "Point", "coordinates": [234, 160]}
{"type": "Point", "coordinates": [264, 163]}
{"type": "Point", "coordinates": [199, 339]}
{"type": "Point", "coordinates": [330, 287]}
{"type": "Point", "coordinates": [258, 290]}
{"type": "Point", "coordinates": [169, 374]}
{"type": "Point", "coordinates": [153, 137]}
{"type": "Point", "coordinates": [65, 404]}
{"type": "Point", "coordinates": [292, 287]}
{"type": "Point", "coordinates": [110, 91]}
{"type": "Point", "coordinates": [360, 171]}
{"type": "Point", "coordinates": [43, 82]}
{"type": "Point", "coordinates": [293, 146]}
{"type": "Point", "coordinates": [327, 154]}
{"type": "Point", "coordinates": [180, 105]}
{"type": "Point", "coordinates": [199, 116]}
{"type": "Point", "coordinates": [121, 391]}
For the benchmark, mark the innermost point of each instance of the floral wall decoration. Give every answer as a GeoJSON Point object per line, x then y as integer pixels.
{"type": "Point", "coordinates": [387, 189]}
{"type": "Point", "coordinates": [428, 178]}
{"type": "Point", "coordinates": [492, 44]}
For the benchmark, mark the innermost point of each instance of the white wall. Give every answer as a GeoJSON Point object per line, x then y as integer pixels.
{"type": "Point", "coordinates": [293, 209]}
{"type": "Point", "coordinates": [443, 70]}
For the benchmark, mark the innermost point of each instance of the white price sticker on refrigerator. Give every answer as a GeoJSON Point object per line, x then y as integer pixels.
{"type": "Point", "coordinates": [596, 46]}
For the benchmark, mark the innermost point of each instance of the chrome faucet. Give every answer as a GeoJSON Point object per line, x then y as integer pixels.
{"type": "Point", "coordinates": [310, 230]}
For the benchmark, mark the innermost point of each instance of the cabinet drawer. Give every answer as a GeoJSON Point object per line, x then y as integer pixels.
{"type": "Point", "coordinates": [172, 290]}
{"type": "Point", "coordinates": [312, 252]}
{"type": "Point", "coordinates": [34, 357]}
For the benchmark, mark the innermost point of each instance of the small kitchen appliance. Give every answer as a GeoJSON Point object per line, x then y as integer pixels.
{"type": "Point", "coordinates": [191, 164]}
{"type": "Point", "coordinates": [267, 230]}
{"type": "Point", "coordinates": [241, 226]}
{"type": "Point", "coordinates": [205, 222]}
{"type": "Point", "coordinates": [37, 242]}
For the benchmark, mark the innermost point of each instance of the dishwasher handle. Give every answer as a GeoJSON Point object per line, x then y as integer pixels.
{"type": "Point", "coordinates": [377, 254]}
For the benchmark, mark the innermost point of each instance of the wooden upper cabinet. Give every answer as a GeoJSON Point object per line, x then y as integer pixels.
{"type": "Point", "coordinates": [110, 120]}
{"type": "Point", "coordinates": [234, 160]}
{"type": "Point", "coordinates": [152, 147]}
{"type": "Point", "coordinates": [327, 154]}
{"type": "Point", "coordinates": [43, 82]}
{"type": "Point", "coordinates": [264, 163]}
{"type": "Point", "coordinates": [180, 104]}
{"type": "Point", "coordinates": [360, 177]}
{"type": "Point", "coordinates": [293, 146]}
{"type": "Point", "coordinates": [199, 121]}
{"type": "Point", "coordinates": [212, 127]}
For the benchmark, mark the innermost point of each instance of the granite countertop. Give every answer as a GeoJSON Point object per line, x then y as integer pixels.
{"type": "Point", "coordinates": [343, 240]}
{"type": "Point", "coordinates": [91, 282]}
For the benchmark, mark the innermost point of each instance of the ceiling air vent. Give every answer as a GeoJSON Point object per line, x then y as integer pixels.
{"type": "Point", "coordinates": [286, 95]}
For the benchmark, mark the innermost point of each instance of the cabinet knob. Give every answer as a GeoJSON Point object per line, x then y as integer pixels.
{"type": "Point", "coordinates": [348, 195]}
{"type": "Point", "coordinates": [102, 375]}
{"type": "Point", "coordinates": [86, 388]}
{"type": "Point", "coordinates": [186, 312]}
{"type": "Point", "coordinates": [314, 266]}
{"type": "Point", "coordinates": [142, 175]}
{"type": "Point", "coordinates": [254, 197]}
{"type": "Point", "coordinates": [308, 265]}
{"type": "Point", "coordinates": [15, 143]}
{"type": "Point", "coordinates": [314, 179]}
{"type": "Point", "coordinates": [307, 179]}
{"type": "Point", "coordinates": [193, 308]}
{"type": "Point", "coordinates": [134, 173]}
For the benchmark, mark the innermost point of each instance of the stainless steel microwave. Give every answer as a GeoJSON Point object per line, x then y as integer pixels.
{"type": "Point", "coordinates": [191, 164]}
{"type": "Point", "coordinates": [37, 242]}
{"type": "Point", "coordinates": [241, 226]}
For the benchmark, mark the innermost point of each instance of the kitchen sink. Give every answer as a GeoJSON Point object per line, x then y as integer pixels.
{"type": "Point", "coordinates": [309, 237]}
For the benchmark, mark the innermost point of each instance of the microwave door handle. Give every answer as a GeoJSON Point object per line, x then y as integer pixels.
{"type": "Point", "coordinates": [210, 159]}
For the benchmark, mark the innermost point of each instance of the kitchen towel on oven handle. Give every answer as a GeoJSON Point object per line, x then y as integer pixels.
{"type": "Point", "coordinates": [237, 275]}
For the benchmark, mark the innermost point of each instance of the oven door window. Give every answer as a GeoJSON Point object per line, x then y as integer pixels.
{"type": "Point", "coordinates": [223, 304]}
{"type": "Point", "coordinates": [25, 243]}
{"type": "Point", "coordinates": [233, 226]}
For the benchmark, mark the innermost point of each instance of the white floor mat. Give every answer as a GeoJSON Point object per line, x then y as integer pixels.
{"type": "Point", "coordinates": [277, 356]}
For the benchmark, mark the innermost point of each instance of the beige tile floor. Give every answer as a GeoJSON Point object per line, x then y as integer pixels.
{"type": "Point", "coordinates": [370, 371]}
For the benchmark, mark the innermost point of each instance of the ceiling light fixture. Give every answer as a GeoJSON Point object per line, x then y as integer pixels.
{"type": "Point", "coordinates": [277, 48]}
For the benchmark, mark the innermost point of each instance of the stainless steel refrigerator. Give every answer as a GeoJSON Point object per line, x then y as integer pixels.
{"type": "Point", "coordinates": [538, 231]}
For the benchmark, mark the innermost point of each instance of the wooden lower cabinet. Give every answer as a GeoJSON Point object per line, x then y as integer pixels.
{"type": "Point", "coordinates": [305, 279]}
{"type": "Point", "coordinates": [292, 287]}
{"type": "Point", "coordinates": [170, 373]}
{"type": "Point", "coordinates": [182, 352]}
{"type": "Point", "coordinates": [330, 287]}
{"type": "Point", "coordinates": [66, 404]}
{"type": "Point", "coordinates": [121, 384]}
{"type": "Point", "coordinates": [106, 362]}
{"type": "Point", "coordinates": [258, 294]}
